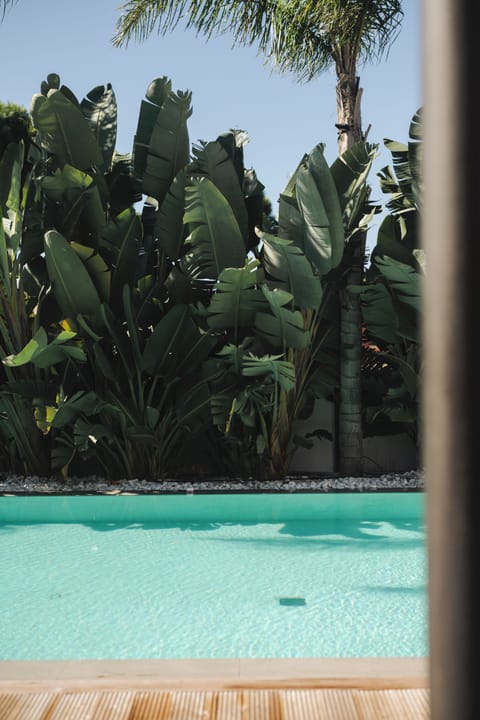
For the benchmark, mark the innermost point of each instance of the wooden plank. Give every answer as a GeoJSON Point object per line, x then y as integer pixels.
{"type": "Point", "coordinates": [331, 704]}
{"type": "Point", "coordinates": [391, 704]}
{"type": "Point", "coordinates": [18, 706]}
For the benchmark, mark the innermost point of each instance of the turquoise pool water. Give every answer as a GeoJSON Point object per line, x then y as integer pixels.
{"type": "Point", "coordinates": [213, 576]}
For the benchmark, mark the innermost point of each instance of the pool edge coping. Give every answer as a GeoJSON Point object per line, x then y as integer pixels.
{"type": "Point", "coordinates": [215, 674]}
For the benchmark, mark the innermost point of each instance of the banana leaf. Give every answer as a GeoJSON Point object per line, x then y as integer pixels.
{"type": "Point", "coordinates": [157, 92]}
{"type": "Point", "coordinates": [44, 354]}
{"type": "Point", "coordinates": [169, 227]}
{"type": "Point", "coordinates": [74, 290]}
{"type": "Point", "coordinates": [237, 298]}
{"type": "Point", "coordinates": [378, 312]}
{"type": "Point", "coordinates": [4, 262]}
{"type": "Point", "coordinates": [119, 338]}
{"type": "Point", "coordinates": [161, 144]}
{"type": "Point", "coordinates": [291, 225]}
{"type": "Point", "coordinates": [404, 280]}
{"type": "Point", "coordinates": [254, 203]}
{"type": "Point", "coordinates": [97, 269]}
{"type": "Point", "coordinates": [286, 264]}
{"type": "Point", "coordinates": [320, 208]}
{"type": "Point", "coordinates": [78, 196]}
{"type": "Point", "coordinates": [215, 239]}
{"type": "Point", "coordinates": [396, 238]}
{"type": "Point", "coordinates": [283, 328]}
{"type": "Point", "coordinates": [64, 132]}
{"type": "Point", "coordinates": [233, 143]}
{"type": "Point", "coordinates": [11, 164]}
{"type": "Point", "coordinates": [350, 172]}
{"type": "Point", "coordinates": [272, 366]}
{"type": "Point", "coordinates": [121, 240]}
{"type": "Point", "coordinates": [99, 108]}
{"type": "Point", "coordinates": [415, 156]}
{"type": "Point", "coordinates": [176, 345]}
{"type": "Point", "coordinates": [212, 161]}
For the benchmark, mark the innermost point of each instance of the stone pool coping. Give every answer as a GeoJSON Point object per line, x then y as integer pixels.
{"type": "Point", "coordinates": [214, 674]}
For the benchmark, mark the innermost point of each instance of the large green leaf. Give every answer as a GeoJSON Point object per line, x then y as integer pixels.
{"type": "Point", "coordinates": [64, 132]}
{"type": "Point", "coordinates": [283, 328]}
{"type": "Point", "coordinates": [212, 161]}
{"type": "Point", "coordinates": [97, 269]}
{"type": "Point", "coordinates": [237, 298]}
{"type": "Point", "coordinates": [4, 263]}
{"type": "Point", "coordinates": [120, 341]}
{"type": "Point", "coordinates": [156, 94]}
{"type": "Point", "coordinates": [287, 265]}
{"type": "Point", "coordinates": [350, 172]}
{"type": "Point", "coordinates": [404, 280]}
{"type": "Point", "coordinates": [77, 194]}
{"type": "Point", "coordinates": [291, 225]}
{"type": "Point", "coordinates": [390, 241]}
{"type": "Point", "coordinates": [378, 312]}
{"type": "Point", "coordinates": [121, 241]}
{"type": "Point", "coordinates": [176, 345]}
{"type": "Point", "coordinates": [273, 366]}
{"type": "Point", "coordinates": [169, 145]}
{"type": "Point", "coordinates": [415, 156]}
{"type": "Point", "coordinates": [73, 287]}
{"type": "Point", "coordinates": [169, 228]}
{"type": "Point", "coordinates": [161, 144]}
{"type": "Point", "coordinates": [215, 239]}
{"type": "Point", "coordinates": [320, 208]}
{"type": "Point", "coordinates": [11, 164]}
{"type": "Point", "coordinates": [99, 108]}
{"type": "Point", "coordinates": [80, 403]}
{"type": "Point", "coordinates": [44, 354]}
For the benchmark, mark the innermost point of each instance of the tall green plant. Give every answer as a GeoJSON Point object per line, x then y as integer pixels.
{"type": "Point", "coordinates": [305, 37]}
{"type": "Point", "coordinates": [392, 297]}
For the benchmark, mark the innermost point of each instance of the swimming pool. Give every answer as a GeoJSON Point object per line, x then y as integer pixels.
{"type": "Point", "coordinates": [213, 576]}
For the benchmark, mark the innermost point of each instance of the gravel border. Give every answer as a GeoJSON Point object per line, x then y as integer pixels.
{"type": "Point", "coordinates": [412, 480]}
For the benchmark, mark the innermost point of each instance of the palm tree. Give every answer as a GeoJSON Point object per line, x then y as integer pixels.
{"type": "Point", "coordinates": [305, 37]}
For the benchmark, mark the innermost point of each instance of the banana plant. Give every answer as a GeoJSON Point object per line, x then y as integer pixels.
{"type": "Point", "coordinates": [323, 210]}
{"type": "Point", "coordinates": [392, 297]}
{"type": "Point", "coordinates": [22, 386]}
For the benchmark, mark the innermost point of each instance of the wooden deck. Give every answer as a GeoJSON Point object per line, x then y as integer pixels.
{"type": "Point", "coordinates": [321, 689]}
{"type": "Point", "coordinates": [325, 704]}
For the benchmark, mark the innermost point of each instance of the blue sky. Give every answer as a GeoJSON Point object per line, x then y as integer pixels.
{"type": "Point", "coordinates": [230, 87]}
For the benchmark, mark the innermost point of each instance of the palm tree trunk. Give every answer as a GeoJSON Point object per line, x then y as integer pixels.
{"type": "Point", "coordinates": [350, 434]}
{"type": "Point", "coordinates": [349, 98]}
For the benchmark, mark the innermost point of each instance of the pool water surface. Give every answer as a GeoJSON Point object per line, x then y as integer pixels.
{"type": "Point", "coordinates": [213, 576]}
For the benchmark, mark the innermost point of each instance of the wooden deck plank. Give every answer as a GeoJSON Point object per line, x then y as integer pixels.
{"type": "Point", "coordinates": [32, 706]}
{"type": "Point", "coordinates": [331, 704]}
{"type": "Point", "coordinates": [391, 704]}
{"type": "Point", "coordinates": [267, 704]}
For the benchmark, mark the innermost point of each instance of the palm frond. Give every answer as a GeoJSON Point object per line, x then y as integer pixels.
{"type": "Point", "coordinates": [5, 5]}
{"type": "Point", "coordinates": [299, 36]}
{"type": "Point", "coordinates": [246, 20]}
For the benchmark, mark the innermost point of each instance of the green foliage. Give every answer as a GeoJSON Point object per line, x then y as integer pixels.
{"type": "Point", "coordinates": [11, 108]}
{"type": "Point", "coordinates": [301, 36]}
{"type": "Point", "coordinates": [129, 340]}
{"type": "Point", "coordinates": [392, 298]}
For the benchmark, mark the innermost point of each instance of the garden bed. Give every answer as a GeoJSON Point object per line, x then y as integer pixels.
{"type": "Point", "coordinates": [412, 480]}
